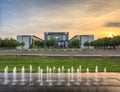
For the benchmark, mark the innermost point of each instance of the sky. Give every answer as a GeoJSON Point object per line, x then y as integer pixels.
{"type": "Point", "coordinates": [100, 18]}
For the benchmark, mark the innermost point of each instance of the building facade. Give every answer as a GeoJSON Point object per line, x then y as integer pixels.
{"type": "Point", "coordinates": [61, 38]}
{"type": "Point", "coordinates": [27, 39]}
{"type": "Point", "coordinates": [83, 39]}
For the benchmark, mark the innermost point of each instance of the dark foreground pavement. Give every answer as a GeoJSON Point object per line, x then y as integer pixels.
{"type": "Point", "coordinates": [60, 89]}
{"type": "Point", "coordinates": [111, 83]}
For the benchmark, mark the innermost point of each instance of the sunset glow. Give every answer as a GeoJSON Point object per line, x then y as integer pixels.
{"type": "Point", "coordinates": [111, 35]}
{"type": "Point", "coordinates": [78, 17]}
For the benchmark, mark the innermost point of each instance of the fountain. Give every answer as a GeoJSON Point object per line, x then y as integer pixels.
{"type": "Point", "coordinates": [6, 75]}
{"type": "Point", "coordinates": [96, 76]}
{"type": "Point", "coordinates": [41, 77]}
{"type": "Point", "coordinates": [72, 75]}
{"type": "Point", "coordinates": [23, 76]}
{"type": "Point", "coordinates": [30, 79]}
{"type": "Point", "coordinates": [62, 72]}
{"type": "Point", "coordinates": [54, 76]}
{"type": "Point", "coordinates": [47, 73]}
{"type": "Point", "coordinates": [62, 69]}
{"type": "Point", "coordinates": [77, 79]}
{"type": "Point", "coordinates": [59, 77]}
{"type": "Point", "coordinates": [14, 76]}
{"type": "Point", "coordinates": [80, 69]}
{"type": "Point", "coordinates": [104, 73]}
{"type": "Point", "coordinates": [68, 79]}
{"type": "Point", "coordinates": [50, 77]}
{"type": "Point", "coordinates": [39, 72]}
{"type": "Point", "coordinates": [52, 81]}
{"type": "Point", "coordinates": [87, 77]}
{"type": "Point", "coordinates": [104, 76]}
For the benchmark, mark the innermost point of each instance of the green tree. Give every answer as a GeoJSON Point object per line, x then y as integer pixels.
{"type": "Point", "coordinates": [51, 43]}
{"type": "Point", "coordinates": [5, 43]}
{"type": "Point", "coordinates": [106, 42]}
{"type": "Point", "coordinates": [75, 43]}
{"type": "Point", "coordinates": [87, 44]}
{"type": "Point", "coordinates": [33, 44]}
{"type": "Point", "coordinates": [39, 44]}
{"type": "Point", "coordinates": [22, 44]}
{"type": "Point", "coordinates": [8, 43]}
{"type": "Point", "coordinates": [117, 40]}
{"type": "Point", "coordinates": [0, 42]}
{"type": "Point", "coordinates": [13, 43]}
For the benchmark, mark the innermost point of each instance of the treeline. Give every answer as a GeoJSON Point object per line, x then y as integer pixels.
{"type": "Point", "coordinates": [75, 43]}
{"type": "Point", "coordinates": [105, 43]}
{"type": "Point", "coordinates": [10, 43]}
{"type": "Point", "coordinates": [101, 43]}
{"type": "Point", "coordinates": [37, 44]}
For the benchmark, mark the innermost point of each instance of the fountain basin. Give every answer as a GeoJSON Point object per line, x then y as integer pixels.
{"type": "Point", "coordinates": [106, 85]}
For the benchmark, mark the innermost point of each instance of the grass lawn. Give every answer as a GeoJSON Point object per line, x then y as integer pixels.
{"type": "Point", "coordinates": [111, 63]}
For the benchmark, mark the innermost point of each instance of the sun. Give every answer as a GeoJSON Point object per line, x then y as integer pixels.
{"type": "Point", "coordinates": [111, 35]}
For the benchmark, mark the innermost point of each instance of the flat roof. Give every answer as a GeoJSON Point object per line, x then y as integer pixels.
{"type": "Point", "coordinates": [32, 35]}
{"type": "Point", "coordinates": [80, 35]}
{"type": "Point", "coordinates": [56, 32]}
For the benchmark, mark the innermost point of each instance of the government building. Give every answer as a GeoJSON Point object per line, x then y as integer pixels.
{"type": "Point", "coordinates": [27, 39]}
{"type": "Point", "coordinates": [83, 39]}
{"type": "Point", "coordinates": [61, 38]}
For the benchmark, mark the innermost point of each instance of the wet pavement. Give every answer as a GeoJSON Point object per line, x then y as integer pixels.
{"type": "Point", "coordinates": [60, 89]}
{"type": "Point", "coordinates": [109, 82]}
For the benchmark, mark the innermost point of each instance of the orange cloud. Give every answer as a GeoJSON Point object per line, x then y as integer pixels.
{"type": "Point", "coordinates": [74, 16]}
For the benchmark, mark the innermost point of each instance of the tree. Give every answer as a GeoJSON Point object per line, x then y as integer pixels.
{"type": "Point", "coordinates": [51, 43]}
{"type": "Point", "coordinates": [5, 43]}
{"type": "Point", "coordinates": [13, 43]}
{"type": "Point", "coordinates": [87, 44]}
{"type": "Point", "coordinates": [112, 43]}
{"type": "Point", "coordinates": [22, 44]}
{"type": "Point", "coordinates": [39, 44]}
{"type": "Point", "coordinates": [106, 42]}
{"type": "Point", "coordinates": [8, 43]}
{"type": "Point", "coordinates": [0, 42]}
{"type": "Point", "coordinates": [75, 43]}
{"type": "Point", "coordinates": [117, 40]}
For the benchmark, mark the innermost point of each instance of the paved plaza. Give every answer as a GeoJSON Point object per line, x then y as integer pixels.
{"type": "Point", "coordinates": [64, 52]}
{"type": "Point", "coordinates": [106, 82]}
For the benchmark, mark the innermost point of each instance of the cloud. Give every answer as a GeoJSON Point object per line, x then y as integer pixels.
{"type": "Point", "coordinates": [102, 5]}
{"type": "Point", "coordinates": [74, 16]}
{"type": "Point", "coordinates": [112, 24]}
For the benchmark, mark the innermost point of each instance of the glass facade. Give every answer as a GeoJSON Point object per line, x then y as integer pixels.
{"type": "Point", "coordinates": [61, 38]}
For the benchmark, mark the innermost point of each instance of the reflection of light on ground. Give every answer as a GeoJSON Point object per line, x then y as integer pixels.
{"type": "Point", "coordinates": [110, 83]}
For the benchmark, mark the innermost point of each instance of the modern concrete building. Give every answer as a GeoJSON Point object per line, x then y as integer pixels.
{"type": "Point", "coordinates": [83, 39]}
{"type": "Point", "coordinates": [62, 38]}
{"type": "Point", "coordinates": [27, 39]}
